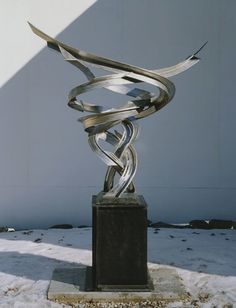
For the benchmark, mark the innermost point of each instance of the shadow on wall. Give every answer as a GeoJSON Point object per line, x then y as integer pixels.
{"type": "Point", "coordinates": [48, 172]}
{"type": "Point", "coordinates": [47, 167]}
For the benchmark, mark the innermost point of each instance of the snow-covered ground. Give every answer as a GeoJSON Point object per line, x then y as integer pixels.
{"type": "Point", "coordinates": [205, 259]}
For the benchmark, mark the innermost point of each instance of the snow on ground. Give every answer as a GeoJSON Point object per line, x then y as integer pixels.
{"type": "Point", "coordinates": [205, 260]}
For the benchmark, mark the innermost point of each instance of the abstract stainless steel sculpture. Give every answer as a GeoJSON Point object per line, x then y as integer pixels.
{"type": "Point", "coordinates": [98, 125]}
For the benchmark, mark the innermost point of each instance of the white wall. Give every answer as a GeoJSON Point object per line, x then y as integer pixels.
{"type": "Point", "coordinates": [187, 151]}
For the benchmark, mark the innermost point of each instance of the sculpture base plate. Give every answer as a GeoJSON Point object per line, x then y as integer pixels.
{"type": "Point", "coordinates": [74, 285]}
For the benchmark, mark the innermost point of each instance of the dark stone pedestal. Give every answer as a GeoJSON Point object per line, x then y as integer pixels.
{"type": "Point", "coordinates": [120, 243]}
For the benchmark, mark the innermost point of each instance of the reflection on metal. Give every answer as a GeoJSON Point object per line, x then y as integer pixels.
{"type": "Point", "coordinates": [98, 125]}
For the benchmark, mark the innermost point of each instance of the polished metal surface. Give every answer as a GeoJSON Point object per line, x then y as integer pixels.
{"type": "Point", "coordinates": [100, 124]}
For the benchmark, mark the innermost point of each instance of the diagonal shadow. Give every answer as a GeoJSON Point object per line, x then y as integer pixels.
{"type": "Point", "coordinates": [44, 177]}
{"type": "Point", "coordinates": [48, 173]}
{"type": "Point", "coordinates": [196, 252]}
{"type": "Point", "coordinates": [30, 266]}
{"type": "Point", "coordinates": [34, 255]}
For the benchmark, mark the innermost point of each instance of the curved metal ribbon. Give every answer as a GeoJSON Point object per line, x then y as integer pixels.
{"type": "Point", "coordinates": [123, 161]}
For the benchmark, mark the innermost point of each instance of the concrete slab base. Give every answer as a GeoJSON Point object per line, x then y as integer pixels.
{"type": "Point", "coordinates": [74, 285]}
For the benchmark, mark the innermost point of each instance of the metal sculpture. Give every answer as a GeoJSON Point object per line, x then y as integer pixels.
{"type": "Point", "coordinates": [98, 125]}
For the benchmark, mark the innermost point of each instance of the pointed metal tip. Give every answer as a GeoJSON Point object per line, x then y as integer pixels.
{"type": "Point", "coordinates": [200, 48]}
{"type": "Point", "coordinates": [194, 55]}
{"type": "Point", "coordinates": [31, 26]}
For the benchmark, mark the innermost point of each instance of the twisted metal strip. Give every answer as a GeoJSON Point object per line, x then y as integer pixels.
{"type": "Point", "coordinates": [123, 160]}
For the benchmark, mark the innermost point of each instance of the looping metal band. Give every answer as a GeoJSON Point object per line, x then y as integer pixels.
{"type": "Point", "coordinates": [123, 160]}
